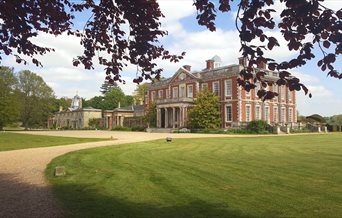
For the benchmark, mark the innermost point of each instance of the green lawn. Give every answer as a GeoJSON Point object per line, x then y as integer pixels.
{"type": "Point", "coordinates": [15, 141]}
{"type": "Point", "coordinates": [295, 176]}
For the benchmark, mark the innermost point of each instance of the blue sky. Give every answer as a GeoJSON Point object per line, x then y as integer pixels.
{"type": "Point", "coordinates": [199, 44]}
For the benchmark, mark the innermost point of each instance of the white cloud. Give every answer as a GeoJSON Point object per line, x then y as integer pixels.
{"type": "Point", "coordinates": [175, 10]}
{"type": "Point", "coordinates": [325, 103]}
{"type": "Point", "coordinates": [306, 78]}
{"type": "Point", "coordinates": [332, 4]}
{"type": "Point", "coordinates": [319, 91]}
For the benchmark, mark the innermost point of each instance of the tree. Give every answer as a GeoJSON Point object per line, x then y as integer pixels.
{"type": "Point", "coordinates": [206, 113]}
{"type": "Point", "coordinates": [9, 98]}
{"type": "Point", "coordinates": [37, 99]}
{"type": "Point", "coordinates": [139, 93]}
{"type": "Point", "coordinates": [315, 118]}
{"type": "Point", "coordinates": [62, 103]}
{"type": "Point", "coordinates": [336, 120]}
{"type": "Point", "coordinates": [151, 115]}
{"type": "Point", "coordinates": [112, 99]}
{"type": "Point", "coordinates": [95, 102]}
{"type": "Point", "coordinates": [128, 100]}
{"type": "Point", "coordinates": [106, 87]}
{"type": "Point", "coordinates": [106, 38]}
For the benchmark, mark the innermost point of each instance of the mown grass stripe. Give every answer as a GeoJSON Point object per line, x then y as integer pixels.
{"type": "Point", "coordinates": [219, 177]}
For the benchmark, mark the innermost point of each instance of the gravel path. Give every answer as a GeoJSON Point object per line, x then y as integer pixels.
{"type": "Point", "coordinates": [24, 191]}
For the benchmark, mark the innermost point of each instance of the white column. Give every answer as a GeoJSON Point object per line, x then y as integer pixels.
{"type": "Point", "coordinates": [166, 117]}
{"type": "Point", "coordinates": [185, 115]}
{"type": "Point", "coordinates": [181, 116]}
{"type": "Point", "coordinates": [173, 117]}
{"type": "Point", "coordinates": [158, 117]}
{"type": "Point", "coordinates": [121, 119]}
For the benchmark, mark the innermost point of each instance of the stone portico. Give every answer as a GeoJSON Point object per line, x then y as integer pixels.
{"type": "Point", "coordinates": [172, 115]}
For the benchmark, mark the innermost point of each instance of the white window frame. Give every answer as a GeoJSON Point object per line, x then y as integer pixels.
{"type": "Point", "coordinates": [218, 88]}
{"type": "Point", "coordinates": [160, 94]}
{"type": "Point", "coordinates": [249, 114]}
{"type": "Point", "coordinates": [228, 88]}
{"type": "Point", "coordinates": [290, 115]}
{"type": "Point", "coordinates": [231, 113]}
{"type": "Point", "coordinates": [153, 96]}
{"type": "Point", "coordinates": [275, 115]}
{"type": "Point", "coordinates": [282, 92]}
{"type": "Point", "coordinates": [167, 94]}
{"type": "Point", "coordinates": [289, 95]}
{"type": "Point", "coordinates": [267, 113]}
{"type": "Point", "coordinates": [175, 93]}
{"type": "Point", "coordinates": [283, 115]}
{"type": "Point", "coordinates": [190, 91]}
{"type": "Point", "coordinates": [257, 115]}
{"type": "Point", "coordinates": [275, 88]}
{"type": "Point", "coordinates": [182, 91]}
{"type": "Point", "coordinates": [204, 86]}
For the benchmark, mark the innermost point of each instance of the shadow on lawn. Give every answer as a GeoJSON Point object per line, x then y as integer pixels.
{"type": "Point", "coordinates": [18, 199]}
{"type": "Point", "coordinates": [84, 202]}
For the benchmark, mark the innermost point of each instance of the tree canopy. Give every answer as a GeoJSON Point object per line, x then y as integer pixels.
{"type": "Point", "coordinates": [37, 99]}
{"type": "Point", "coordinates": [25, 98]}
{"type": "Point", "coordinates": [9, 97]}
{"type": "Point", "coordinates": [106, 87]}
{"type": "Point", "coordinates": [303, 24]}
{"type": "Point", "coordinates": [206, 112]}
{"type": "Point", "coordinates": [110, 100]}
{"type": "Point", "coordinates": [336, 120]}
{"type": "Point", "coordinates": [139, 93]}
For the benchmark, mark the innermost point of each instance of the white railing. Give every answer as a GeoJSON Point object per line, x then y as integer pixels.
{"type": "Point", "coordinates": [174, 100]}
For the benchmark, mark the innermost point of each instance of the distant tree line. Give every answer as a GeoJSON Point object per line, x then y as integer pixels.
{"type": "Point", "coordinates": [24, 98]}
{"type": "Point", "coordinates": [27, 101]}
{"type": "Point", "coordinates": [111, 98]}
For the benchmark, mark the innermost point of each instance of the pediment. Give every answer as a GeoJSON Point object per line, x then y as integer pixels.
{"type": "Point", "coordinates": [182, 75]}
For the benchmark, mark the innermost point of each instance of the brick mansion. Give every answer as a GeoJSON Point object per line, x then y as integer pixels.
{"type": "Point", "coordinates": [174, 96]}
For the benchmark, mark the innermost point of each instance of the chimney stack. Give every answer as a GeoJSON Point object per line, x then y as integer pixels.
{"type": "Point", "coordinates": [261, 65]}
{"type": "Point", "coordinates": [210, 64]}
{"type": "Point", "coordinates": [243, 61]}
{"type": "Point", "coordinates": [187, 67]}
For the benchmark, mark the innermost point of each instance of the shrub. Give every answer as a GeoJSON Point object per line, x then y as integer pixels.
{"type": "Point", "coordinates": [138, 128]}
{"type": "Point", "coordinates": [121, 128]}
{"type": "Point", "coordinates": [257, 126]}
{"type": "Point", "coordinates": [299, 130]}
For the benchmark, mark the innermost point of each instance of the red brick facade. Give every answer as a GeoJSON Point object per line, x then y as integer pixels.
{"type": "Point", "coordinates": [174, 96]}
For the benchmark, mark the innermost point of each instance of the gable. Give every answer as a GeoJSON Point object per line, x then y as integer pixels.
{"type": "Point", "coordinates": [182, 75]}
